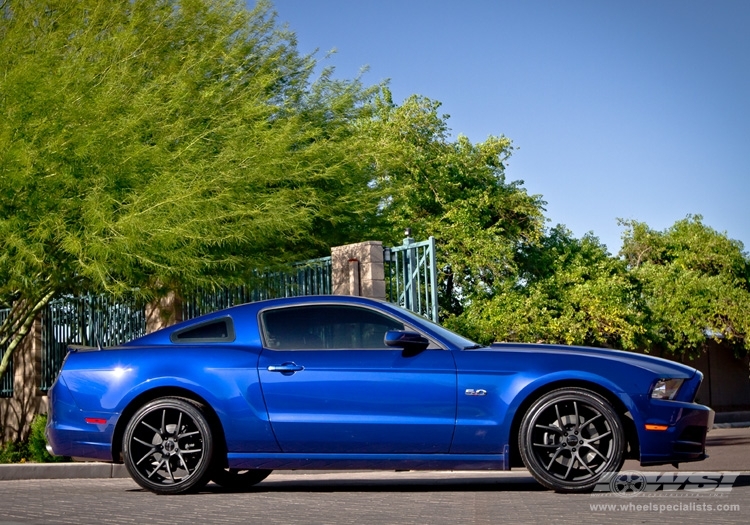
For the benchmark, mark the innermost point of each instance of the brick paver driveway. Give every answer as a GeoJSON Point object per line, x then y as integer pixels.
{"type": "Point", "coordinates": [387, 497]}
{"type": "Point", "coordinates": [359, 498]}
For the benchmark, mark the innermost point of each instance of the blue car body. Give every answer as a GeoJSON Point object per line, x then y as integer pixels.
{"type": "Point", "coordinates": [452, 405]}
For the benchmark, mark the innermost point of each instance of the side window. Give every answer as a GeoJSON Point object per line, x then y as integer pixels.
{"type": "Point", "coordinates": [331, 327]}
{"type": "Point", "coordinates": [214, 331]}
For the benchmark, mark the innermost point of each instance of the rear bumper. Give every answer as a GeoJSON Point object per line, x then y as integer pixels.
{"type": "Point", "coordinates": [684, 439]}
{"type": "Point", "coordinates": [69, 434]}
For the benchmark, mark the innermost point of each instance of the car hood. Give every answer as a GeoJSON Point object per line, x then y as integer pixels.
{"type": "Point", "coordinates": [662, 367]}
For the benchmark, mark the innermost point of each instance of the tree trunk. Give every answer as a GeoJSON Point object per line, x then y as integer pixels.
{"type": "Point", "coordinates": [18, 324]}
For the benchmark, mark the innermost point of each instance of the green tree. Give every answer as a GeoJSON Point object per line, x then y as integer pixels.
{"type": "Point", "coordinates": [567, 291]}
{"type": "Point", "coordinates": [150, 144]}
{"type": "Point", "coordinates": [455, 191]}
{"type": "Point", "coordinates": [695, 285]}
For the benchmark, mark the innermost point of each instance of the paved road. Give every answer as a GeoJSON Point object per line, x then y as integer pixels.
{"type": "Point", "coordinates": [358, 498]}
{"type": "Point", "coordinates": [386, 497]}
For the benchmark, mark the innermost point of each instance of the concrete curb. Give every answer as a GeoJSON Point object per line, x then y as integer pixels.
{"type": "Point", "coordinates": [15, 472]}
{"type": "Point", "coordinates": [736, 424]}
{"type": "Point", "coordinates": [732, 420]}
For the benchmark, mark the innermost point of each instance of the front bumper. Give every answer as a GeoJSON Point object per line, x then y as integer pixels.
{"type": "Point", "coordinates": [683, 439]}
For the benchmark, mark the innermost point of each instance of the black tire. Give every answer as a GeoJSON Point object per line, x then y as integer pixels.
{"type": "Point", "coordinates": [238, 479]}
{"type": "Point", "coordinates": [168, 446]}
{"type": "Point", "coordinates": [570, 438]}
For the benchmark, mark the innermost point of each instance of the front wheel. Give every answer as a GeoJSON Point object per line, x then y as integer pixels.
{"type": "Point", "coordinates": [168, 446]}
{"type": "Point", "coordinates": [570, 438]}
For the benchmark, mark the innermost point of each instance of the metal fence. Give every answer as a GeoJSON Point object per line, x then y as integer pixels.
{"type": "Point", "coordinates": [92, 320]}
{"type": "Point", "coordinates": [411, 276]}
{"type": "Point", "coordinates": [6, 381]}
{"type": "Point", "coordinates": [89, 320]}
{"type": "Point", "coordinates": [312, 277]}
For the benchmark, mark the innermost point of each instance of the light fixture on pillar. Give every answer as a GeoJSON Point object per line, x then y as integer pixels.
{"type": "Point", "coordinates": [408, 239]}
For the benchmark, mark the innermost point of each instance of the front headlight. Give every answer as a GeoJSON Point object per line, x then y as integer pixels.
{"type": "Point", "coordinates": [666, 388]}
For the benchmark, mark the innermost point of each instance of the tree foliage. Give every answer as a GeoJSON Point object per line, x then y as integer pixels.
{"type": "Point", "coordinates": [155, 143]}
{"type": "Point", "coordinates": [455, 191]}
{"type": "Point", "coordinates": [567, 290]}
{"type": "Point", "coordinates": [695, 285]}
{"type": "Point", "coordinates": [668, 290]}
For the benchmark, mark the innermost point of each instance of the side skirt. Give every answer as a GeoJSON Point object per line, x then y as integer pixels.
{"type": "Point", "coordinates": [281, 461]}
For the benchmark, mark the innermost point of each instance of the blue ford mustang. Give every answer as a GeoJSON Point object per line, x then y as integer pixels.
{"type": "Point", "coordinates": [351, 383]}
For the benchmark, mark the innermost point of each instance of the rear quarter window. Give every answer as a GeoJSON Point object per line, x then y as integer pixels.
{"type": "Point", "coordinates": [213, 331]}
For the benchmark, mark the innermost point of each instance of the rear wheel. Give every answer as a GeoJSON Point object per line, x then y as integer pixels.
{"type": "Point", "coordinates": [238, 479]}
{"type": "Point", "coordinates": [570, 438]}
{"type": "Point", "coordinates": [168, 446]}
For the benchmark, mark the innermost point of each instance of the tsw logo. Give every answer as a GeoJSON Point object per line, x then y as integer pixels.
{"type": "Point", "coordinates": [632, 482]}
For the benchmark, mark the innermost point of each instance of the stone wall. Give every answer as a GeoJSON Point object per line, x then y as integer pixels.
{"type": "Point", "coordinates": [726, 378]}
{"type": "Point", "coordinates": [358, 269]}
{"type": "Point", "coordinates": [17, 412]}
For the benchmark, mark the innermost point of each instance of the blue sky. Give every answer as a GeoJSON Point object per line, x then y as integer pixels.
{"type": "Point", "coordinates": [634, 109]}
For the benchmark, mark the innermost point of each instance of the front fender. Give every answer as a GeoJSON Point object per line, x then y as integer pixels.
{"type": "Point", "coordinates": [546, 383]}
{"type": "Point", "coordinates": [486, 424]}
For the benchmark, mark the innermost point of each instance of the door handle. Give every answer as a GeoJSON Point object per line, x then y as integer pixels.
{"type": "Point", "coordinates": [286, 368]}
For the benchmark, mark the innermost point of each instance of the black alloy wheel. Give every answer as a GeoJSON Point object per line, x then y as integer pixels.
{"type": "Point", "coordinates": [570, 438]}
{"type": "Point", "coordinates": [168, 446]}
{"type": "Point", "coordinates": [238, 479]}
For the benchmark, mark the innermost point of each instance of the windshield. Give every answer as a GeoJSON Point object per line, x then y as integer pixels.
{"type": "Point", "coordinates": [452, 337]}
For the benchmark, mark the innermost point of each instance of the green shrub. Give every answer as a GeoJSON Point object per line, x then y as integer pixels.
{"type": "Point", "coordinates": [14, 452]}
{"type": "Point", "coordinates": [34, 450]}
{"type": "Point", "coordinates": [38, 442]}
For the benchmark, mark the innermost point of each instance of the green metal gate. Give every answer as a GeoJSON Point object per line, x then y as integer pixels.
{"type": "Point", "coordinates": [312, 277]}
{"type": "Point", "coordinates": [411, 276]}
{"type": "Point", "coordinates": [89, 320]}
{"type": "Point", "coordinates": [411, 281]}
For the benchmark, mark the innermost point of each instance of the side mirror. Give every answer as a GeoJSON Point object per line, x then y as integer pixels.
{"type": "Point", "coordinates": [411, 341]}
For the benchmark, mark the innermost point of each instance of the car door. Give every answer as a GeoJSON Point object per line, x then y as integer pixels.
{"type": "Point", "coordinates": [332, 386]}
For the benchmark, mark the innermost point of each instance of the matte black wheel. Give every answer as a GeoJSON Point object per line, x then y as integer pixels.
{"type": "Point", "coordinates": [570, 438]}
{"type": "Point", "coordinates": [167, 446]}
{"type": "Point", "coordinates": [238, 479]}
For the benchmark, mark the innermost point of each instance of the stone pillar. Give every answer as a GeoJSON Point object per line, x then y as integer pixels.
{"type": "Point", "coordinates": [358, 269]}
{"type": "Point", "coordinates": [17, 412]}
{"type": "Point", "coordinates": [163, 312]}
